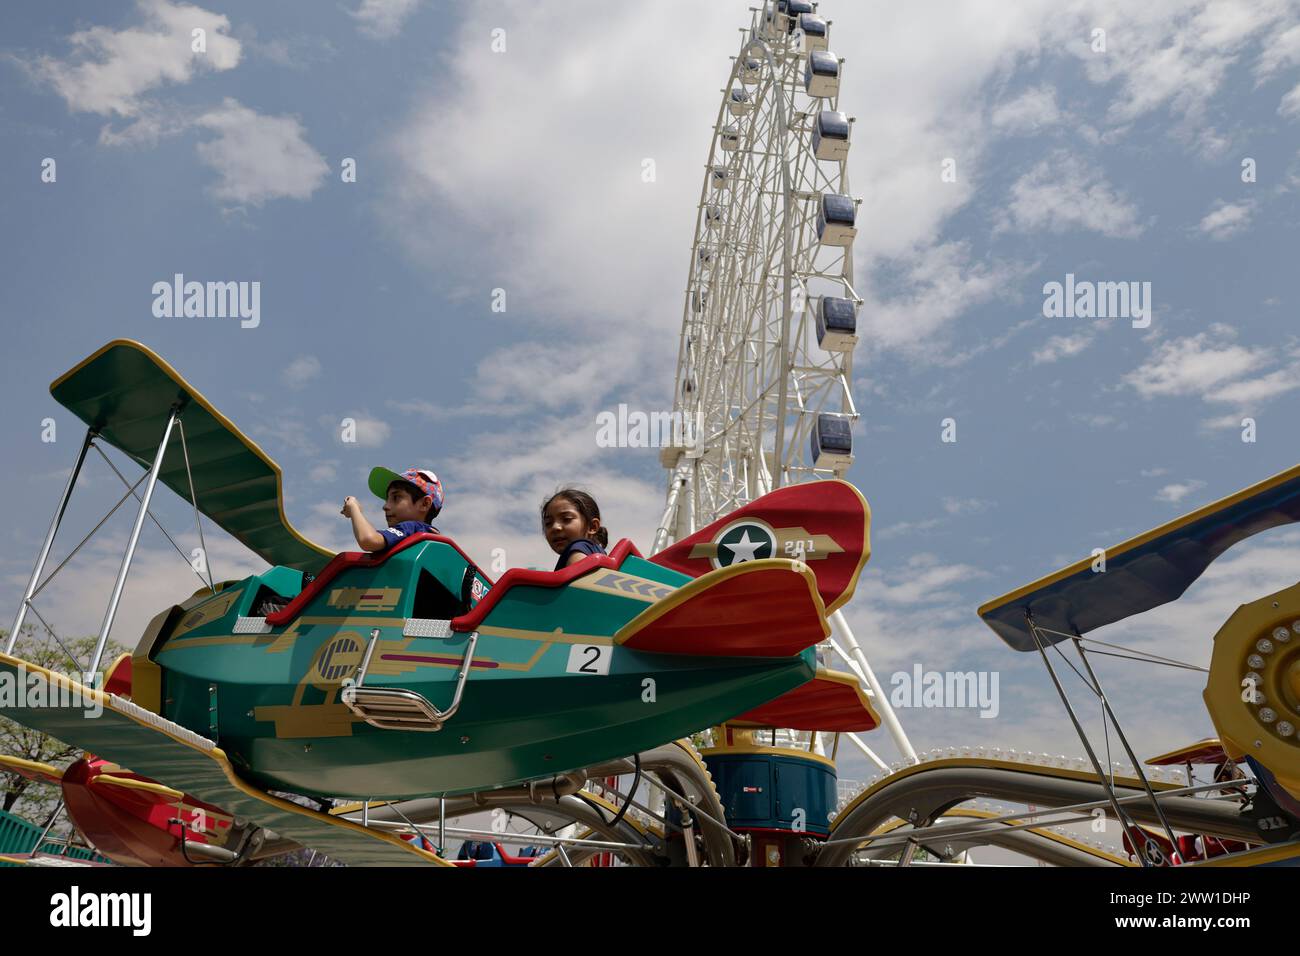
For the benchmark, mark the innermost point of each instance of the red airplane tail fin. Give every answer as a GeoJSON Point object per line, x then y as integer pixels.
{"type": "Point", "coordinates": [825, 524]}
{"type": "Point", "coordinates": [832, 702]}
{"type": "Point", "coordinates": [763, 608]}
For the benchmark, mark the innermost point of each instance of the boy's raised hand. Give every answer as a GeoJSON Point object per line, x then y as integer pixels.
{"type": "Point", "coordinates": [349, 505]}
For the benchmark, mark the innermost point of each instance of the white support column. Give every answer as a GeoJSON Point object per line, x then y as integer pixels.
{"type": "Point", "coordinates": [49, 542]}
{"type": "Point", "coordinates": [881, 702]}
{"type": "Point", "coordinates": [120, 583]}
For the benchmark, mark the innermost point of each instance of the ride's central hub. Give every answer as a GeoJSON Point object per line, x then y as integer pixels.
{"type": "Point", "coordinates": [1253, 693]}
{"type": "Point", "coordinates": [1292, 683]}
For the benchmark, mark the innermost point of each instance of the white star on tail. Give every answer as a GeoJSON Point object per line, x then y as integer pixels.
{"type": "Point", "coordinates": [743, 550]}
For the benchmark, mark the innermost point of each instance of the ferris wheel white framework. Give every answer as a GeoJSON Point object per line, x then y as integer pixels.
{"type": "Point", "coordinates": [769, 323]}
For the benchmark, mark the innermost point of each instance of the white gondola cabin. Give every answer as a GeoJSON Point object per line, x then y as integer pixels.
{"type": "Point", "coordinates": [707, 254]}
{"type": "Point", "coordinates": [836, 220]}
{"type": "Point", "coordinates": [720, 177]}
{"type": "Point", "coordinates": [832, 443]}
{"type": "Point", "coordinates": [830, 139]}
{"type": "Point", "coordinates": [751, 71]}
{"type": "Point", "coordinates": [837, 324]}
{"type": "Point", "coordinates": [739, 102]}
{"type": "Point", "coordinates": [729, 137]}
{"type": "Point", "coordinates": [699, 300]}
{"type": "Point", "coordinates": [821, 75]}
{"type": "Point", "coordinates": [815, 33]}
{"type": "Point", "coordinates": [788, 13]}
{"type": "Point", "coordinates": [714, 216]}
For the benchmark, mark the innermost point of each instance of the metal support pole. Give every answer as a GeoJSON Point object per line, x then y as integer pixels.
{"type": "Point", "coordinates": [1121, 817]}
{"type": "Point", "coordinates": [120, 583]}
{"type": "Point", "coordinates": [48, 827]}
{"type": "Point", "coordinates": [787, 262]}
{"type": "Point", "coordinates": [1137, 765]}
{"type": "Point", "coordinates": [194, 500]}
{"type": "Point", "coordinates": [49, 541]}
{"type": "Point", "coordinates": [881, 702]}
{"type": "Point", "coordinates": [670, 514]}
{"type": "Point", "coordinates": [870, 754]}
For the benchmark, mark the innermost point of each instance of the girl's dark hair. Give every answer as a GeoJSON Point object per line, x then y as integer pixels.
{"type": "Point", "coordinates": [586, 506]}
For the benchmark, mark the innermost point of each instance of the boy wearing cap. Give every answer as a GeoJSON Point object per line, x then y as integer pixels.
{"type": "Point", "coordinates": [411, 500]}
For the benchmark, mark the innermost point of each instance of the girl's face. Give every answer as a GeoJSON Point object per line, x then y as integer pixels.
{"type": "Point", "coordinates": [563, 524]}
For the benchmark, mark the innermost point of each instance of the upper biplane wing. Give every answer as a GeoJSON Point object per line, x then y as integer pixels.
{"type": "Point", "coordinates": [126, 392]}
{"type": "Point", "coordinates": [1154, 568]}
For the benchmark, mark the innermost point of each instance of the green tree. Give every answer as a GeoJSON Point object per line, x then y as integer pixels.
{"type": "Point", "coordinates": [26, 798]}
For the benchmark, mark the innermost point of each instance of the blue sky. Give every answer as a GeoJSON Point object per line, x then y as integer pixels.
{"type": "Point", "coordinates": [521, 170]}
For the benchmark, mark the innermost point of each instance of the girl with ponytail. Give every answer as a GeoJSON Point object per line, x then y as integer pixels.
{"type": "Point", "coordinates": [571, 523]}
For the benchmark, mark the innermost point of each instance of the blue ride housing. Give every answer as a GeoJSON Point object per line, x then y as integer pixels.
{"type": "Point", "coordinates": [785, 793]}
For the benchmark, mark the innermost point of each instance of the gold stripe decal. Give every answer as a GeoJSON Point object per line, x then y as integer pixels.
{"type": "Point", "coordinates": [625, 585]}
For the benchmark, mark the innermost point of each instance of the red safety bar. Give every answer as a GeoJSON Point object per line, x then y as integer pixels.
{"type": "Point", "coordinates": [354, 559]}
{"type": "Point", "coordinates": [516, 860]}
{"type": "Point", "coordinates": [542, 579]}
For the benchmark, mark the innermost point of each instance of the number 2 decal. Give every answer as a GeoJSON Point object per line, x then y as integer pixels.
{"type": "Point", "coordinates": [589, 659]}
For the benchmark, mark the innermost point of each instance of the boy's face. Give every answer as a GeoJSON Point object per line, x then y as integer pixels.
{"type": "Point", "coordinates": [563, 524]}
{"type": "Point", "coordinates": [403, 505]}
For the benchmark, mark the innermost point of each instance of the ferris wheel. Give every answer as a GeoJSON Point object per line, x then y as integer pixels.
{"type": "Point", "coordinates": [769, 323]}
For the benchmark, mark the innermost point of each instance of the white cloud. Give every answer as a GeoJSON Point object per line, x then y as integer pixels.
{"type": "Point", "coordinates": [370, 432]}
{"type": "Point", "coordinates": [301, 371]}
{"type": "Point", "coordinates": [1257, 390]}
{"type": "Point", "coordinates": [965, 506]}
{"type": "Point", "coordinates": [1195, 365]}
{"type": "Point", "coordinates": [1029, 112]}
{"type": "Point", "coordinates": [898, 529]}
{"type": "Point", "coordinates": [383, 18]}
{"type": "Point", "coordinates": [1220, 422]}
{"type": "Point", "coordinates": [1063, 346]}
{"type": "Point", "coordinates": [258, 158]}
{"type": "Point", "coordinates": [295, 52]}
{"type": "Point", "coordinates": [1290, 105]}
{"type": "Point", "coordinates": [1281, 51]}
{"type": "Point", "coordinates": [531, 375]}
{"type": "Point", "coordinates": [1062, 193]}
{"type": "Point", "coordinates": [109, 70]}
{"type": "Point", "coordinates": [1172, 53]}
{"type": "Point", "coordinates": [940, 282]}
{"type": "Point", "coordinates": [1227, 219]}
{"type": "Point", "coordinates": [324, 471]}
{"type": "Point", "coordinates": [1177, 491]}
{"type": "Point", "coordinates": [284, 430]}
{"type": "Point", "coordinates": [579, 209]}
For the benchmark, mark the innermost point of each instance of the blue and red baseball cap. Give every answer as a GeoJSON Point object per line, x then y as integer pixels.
{"type": "Point", "coordinates": [423, 479]}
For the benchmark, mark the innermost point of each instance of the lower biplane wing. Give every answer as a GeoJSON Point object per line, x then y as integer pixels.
{"type": "Point", "coordinates": [1152, 569]}
{"type": "Point", "coordinates": [31, 769]}
{"type": "Point", "coordinates": [165, 751]}
{"type": "Point", "coordinates": [126, 392]}
{"type": "Point", "coordinates": [1207, 751]}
